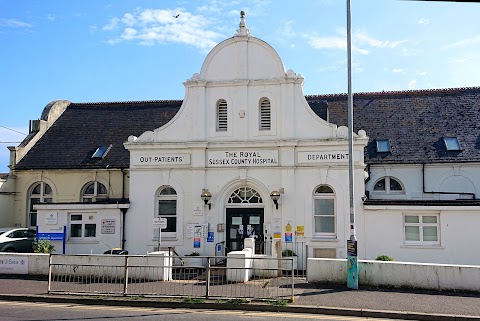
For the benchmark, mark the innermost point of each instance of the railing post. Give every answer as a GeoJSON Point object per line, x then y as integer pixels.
{"type": "Point", "coordinates": [207, 294]}
{"type": "Point", "coordinates": [49, 273]}
{"type": "Point", "coordinates": [293, 279]}
{"type": "Point", "coordinates": [125, 277]}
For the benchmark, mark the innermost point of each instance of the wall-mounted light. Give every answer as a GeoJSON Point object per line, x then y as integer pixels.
{"type": "Point", "coordinates": [275, 196]}
{"type": "Point", "coordinates": [206, 196]}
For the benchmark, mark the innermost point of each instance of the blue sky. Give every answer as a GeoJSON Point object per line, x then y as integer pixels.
{"type": "Point", "coordinates": [119, 50]}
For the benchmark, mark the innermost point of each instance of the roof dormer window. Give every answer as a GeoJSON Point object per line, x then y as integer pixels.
{"type": "Point", "coordinates": [383, 146]}
{"type": "Point", "coordinates": [101, 151]}
{"type": "Point", "coordinates": [451, 143]}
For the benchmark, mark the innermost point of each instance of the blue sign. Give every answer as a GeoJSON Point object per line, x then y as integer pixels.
{"type": "Point", "coordinates": [50, 236]}
{"type": "Point", "coordinates": [210, 237]}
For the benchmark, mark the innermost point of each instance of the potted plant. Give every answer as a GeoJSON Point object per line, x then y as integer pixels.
{"type": "Point", "coordinates": [287, 264]}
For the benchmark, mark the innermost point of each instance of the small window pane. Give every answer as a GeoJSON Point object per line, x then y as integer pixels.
{"type": "Point", "coordinates": [395, 185]}
{"type": "Point", "coordinates": [380, 185]}
{"type": "Point", "coordinates": [101, 189]}
{"type": "Point", "coordinates": [33, 219]}
{"type": "Point", "coordinates": [451, 143]}
{"type": "Point", "coordinates": [383, 146]}
{"type": "Point", "coordinates": [412, 233]}
{"type": "Point", "coordinates": [76, 230]}
{"type": "Point", "coordinates": [90, 189]}
{"type": "Point", "coordinates": [171, 225]}
{"type": "Point", "coordinates": [324, 207]}
{"type": "Point", "coordinates": [36, 189]}
{"type": "Point", "coordinates": [324, 224]}
{"type": "Point", "coordinates": [47, 190]}
{"type": "Point", "coordinates": [412, 219]}
{"type": "Point", "coordinates": [429, 219]}
{"type": "Point", "coordinates": [167, 207]}
{"type": "Point", "coordinates": [430, 233]}
{"type": "Point", "coordinates": [168, 191]}
{"type": "Point", "coordinates": [76, 217]}
{"type": "Point", "coordinates": [324, 189]}
{"type": "Point", "coordinates": [90, 230]}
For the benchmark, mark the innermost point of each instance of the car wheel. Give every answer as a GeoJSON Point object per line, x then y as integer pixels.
{"type": "Point", "coordinates": [10, 250]}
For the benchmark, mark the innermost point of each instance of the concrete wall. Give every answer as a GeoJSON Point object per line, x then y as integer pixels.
{"type": "Point", "coordinates": [404, 274]}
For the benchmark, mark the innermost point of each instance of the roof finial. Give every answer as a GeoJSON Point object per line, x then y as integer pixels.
{"type": "Point", "coordinates": [243, 30]}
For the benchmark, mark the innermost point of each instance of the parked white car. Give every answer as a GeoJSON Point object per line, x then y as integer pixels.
{"type": "Point", "coordinates": [18, 239]}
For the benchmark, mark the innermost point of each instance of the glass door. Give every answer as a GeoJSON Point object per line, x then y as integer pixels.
{"type": "Point", "coordinates": [243, 223]}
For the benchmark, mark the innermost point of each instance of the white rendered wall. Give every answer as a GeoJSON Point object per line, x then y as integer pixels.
{"type": "Point", "coordinates": [404, 274]}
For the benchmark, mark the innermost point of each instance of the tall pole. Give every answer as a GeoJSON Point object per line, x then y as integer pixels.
{"type": "Point", "coordinates": [352, 265]}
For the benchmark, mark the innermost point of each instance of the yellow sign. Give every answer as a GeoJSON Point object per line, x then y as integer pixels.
{"type": "Point", "coordinates": [300, 230]}
{"type": "Point", "coordinates": [288, 228]}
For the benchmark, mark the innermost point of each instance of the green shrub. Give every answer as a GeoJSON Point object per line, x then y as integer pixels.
{"type": "Point", "coordinates": [43, 246]}
{"type": "Point", "coordinates": [193, 254]}
{"type": "Point", "coordinates": [384, 258]}
{"type": "Point", "coordinates": [288, 252]}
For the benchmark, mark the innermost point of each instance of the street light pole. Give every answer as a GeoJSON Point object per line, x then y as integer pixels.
{"type": "Point", "coordinates": [352, 264]}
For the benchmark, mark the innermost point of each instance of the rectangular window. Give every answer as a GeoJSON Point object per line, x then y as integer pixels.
{"type": "Point", "coordinates": [324, 216]}
{"type": "Point", "coordinates": [421, 229]}
{"type": "Point", "coordinates": [82, 226]}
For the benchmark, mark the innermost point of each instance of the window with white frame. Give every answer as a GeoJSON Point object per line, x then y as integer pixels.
{"type": "Point", "coordinates": [40, 192]}
{"type": "Point", "coordinates": [265, 114]}
{"type": "Point", "coordinates": [167, 208]}
{"type": "Point", "coordinates": [422, 229]}
{"type": "Point", "coordinates": [222, 116]}
{"type": "Point", "coordinates": [324, 212]}
{"type": "Point", "coordinates": [94, 192]}
{"type": "Point", "coordinates": [82, 226]}
{"type": "Point", "coordinates": [388, 184]}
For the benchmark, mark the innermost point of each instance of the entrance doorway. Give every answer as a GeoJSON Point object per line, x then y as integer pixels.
{"type": "Point", "coordinates": [243, 223]}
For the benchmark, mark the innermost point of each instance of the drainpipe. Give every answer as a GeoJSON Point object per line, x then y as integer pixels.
{"type": "Point", "coordinates": [124, 210]}
{"type": "Point", "coordinates": [446, 193]}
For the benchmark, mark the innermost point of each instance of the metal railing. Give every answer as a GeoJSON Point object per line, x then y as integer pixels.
{"type": "Point", "coordinates": [255, 278]}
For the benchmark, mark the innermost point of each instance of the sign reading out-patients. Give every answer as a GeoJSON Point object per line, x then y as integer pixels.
{"type": "Point", "coordinates": [235, 158]}
{"type": "Point", "coordinates": [160, 159]}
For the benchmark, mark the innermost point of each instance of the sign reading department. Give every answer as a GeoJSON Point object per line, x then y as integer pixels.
{"type": "Point", "coordinates": [242, 158]}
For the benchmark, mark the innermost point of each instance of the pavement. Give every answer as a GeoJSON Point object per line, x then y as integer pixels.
{"type": "Point", "coordinates": [333, 299]}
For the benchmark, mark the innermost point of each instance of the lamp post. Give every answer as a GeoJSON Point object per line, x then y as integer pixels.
{"type": "Point", "coordinates": [352, 264]}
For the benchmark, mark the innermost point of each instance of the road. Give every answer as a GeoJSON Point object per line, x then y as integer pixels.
{"type": "Point", "coordinates": [28, 311]}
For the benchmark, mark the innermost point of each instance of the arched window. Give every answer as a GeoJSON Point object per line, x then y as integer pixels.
{"type": "Point", "coordinates": [265, 114]}
{"type": "Point", "coordinates": [388, 184]}
{"type": "Point", "coordinates": [222, 116]}
{"type": "Point", "coordinates": [40, 192]}
{"type": "Point", "coordinates": [245, 195]}
{"type": "Point", "coordinates": [324, 212]}
{"type": "Point", "coordinates": [94, 192]}
{"type": "Point", "coordinates": [167, 208]}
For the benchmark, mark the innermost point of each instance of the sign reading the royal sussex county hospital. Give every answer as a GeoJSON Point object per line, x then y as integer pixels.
{"type": "Point", "coordinates": [234, 158]}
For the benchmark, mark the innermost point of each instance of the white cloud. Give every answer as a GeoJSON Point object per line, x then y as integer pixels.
{"type": "Point", "coordinates": [14, 23]}
{"type": "Point", "coordinates": [421, 73]}
{"type": "Point", "coordinates": [398, 71]}
{"type": "Point", "coordinates": [152, 26]}
{"type": "Point", "coordinates": [112, 25]}
{"type": "Point", "coordinates": [360, 39]}
{"type": "Point", "coordinates": [412, 84]}
{"type": "Point", "coordinates": [423, 21]}
{"type": "Point", "coordinates": [464, 43]}
{"type": "Point", "coordinates": [363, 37]}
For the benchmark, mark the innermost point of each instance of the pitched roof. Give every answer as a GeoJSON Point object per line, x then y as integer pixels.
{"type": "Point", "coordinates": [415, 123]}
{"type": "Point", "coordinates": [71, 141]}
